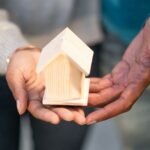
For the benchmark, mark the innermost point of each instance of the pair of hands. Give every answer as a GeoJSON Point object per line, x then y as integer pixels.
{"type": "Point", "coordinates": [112, 94]}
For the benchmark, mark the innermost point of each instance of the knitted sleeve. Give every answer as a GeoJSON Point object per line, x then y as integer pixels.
{"type": "Point", "coordinates": [11, 38]}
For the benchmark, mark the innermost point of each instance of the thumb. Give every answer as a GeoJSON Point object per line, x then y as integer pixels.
{"type": "Point", "coordinates": [16, 83]}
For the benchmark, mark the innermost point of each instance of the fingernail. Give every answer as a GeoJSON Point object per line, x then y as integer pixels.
{"type": "Point", "coordinates": [91, 122]}
{"type": "Point", "coordinates": [18, 106]}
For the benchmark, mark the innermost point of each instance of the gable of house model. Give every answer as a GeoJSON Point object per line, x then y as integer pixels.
{"type": "Point", "coordinates": [68, 44]}
{"type": "Point", "coordinates": [63, 80]}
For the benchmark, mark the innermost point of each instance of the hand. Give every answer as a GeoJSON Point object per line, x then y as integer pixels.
{"type": "Point", "coordinates": [27, 88]}
{"type": "Point", "coordinates": [117, 92]}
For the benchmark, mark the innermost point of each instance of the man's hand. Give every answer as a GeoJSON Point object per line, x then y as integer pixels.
{"type": "Point", "coordinates": [28, 87]}
{"type": "Point", "coordinates": [117, 92]}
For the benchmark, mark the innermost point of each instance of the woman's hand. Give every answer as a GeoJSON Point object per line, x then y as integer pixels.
{"type": "Point", "coordinates": [28, 87]}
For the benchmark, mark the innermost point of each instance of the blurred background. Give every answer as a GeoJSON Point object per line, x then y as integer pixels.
{"type": "Point", "coordinates": [107, 26]}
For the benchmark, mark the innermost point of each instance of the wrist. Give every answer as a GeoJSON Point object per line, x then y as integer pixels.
{"type": "Point", "coordinates": [30, 48]}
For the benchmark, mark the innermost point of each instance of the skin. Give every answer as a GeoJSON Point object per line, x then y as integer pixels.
{"type": "Point", "coordinates": [116, 92]}
{"type": "Point", "coordinates": [28, 87]}
{"type": "Point", "coordinates": [112, 94]}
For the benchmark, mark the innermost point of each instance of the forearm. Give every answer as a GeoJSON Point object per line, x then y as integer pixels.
{"type": "Point", "coordinates": [10, 39]}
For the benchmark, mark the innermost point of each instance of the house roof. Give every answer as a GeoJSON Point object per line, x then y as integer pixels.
{"type": "Point", "coordinates": [69, 44]}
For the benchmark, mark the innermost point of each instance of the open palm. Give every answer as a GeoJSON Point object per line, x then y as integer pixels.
{"type": "Point", "coordinates": [27, 88]}
{"type": "Point", "coordinates": [118, 91]}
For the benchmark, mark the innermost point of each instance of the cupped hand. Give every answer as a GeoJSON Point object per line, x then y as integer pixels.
{"type": "Point", "coordinates": [118, 91]}
{"type": "Point", "coordinates": [28, 87]}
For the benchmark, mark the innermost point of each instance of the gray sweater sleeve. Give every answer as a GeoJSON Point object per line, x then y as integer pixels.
{"type": "Point", "coordinates": [11, 38]}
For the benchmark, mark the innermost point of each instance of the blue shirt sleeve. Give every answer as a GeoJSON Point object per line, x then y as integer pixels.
{"type": "Point", "coordinates": [125, 17]}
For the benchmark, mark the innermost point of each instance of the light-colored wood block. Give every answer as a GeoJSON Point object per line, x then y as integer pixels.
{"type": "Point", "coordinates": [66, 60]}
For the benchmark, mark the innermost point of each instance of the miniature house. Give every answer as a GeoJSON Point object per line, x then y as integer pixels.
{"type": "Point", "coordinates": [65, 61]}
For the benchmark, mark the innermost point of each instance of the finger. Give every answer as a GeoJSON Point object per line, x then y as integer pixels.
{"type": "Point", "coordinates": [16, 83]}
{"type": "Point", "coordinates": [35, 87]}
{"type": "Point", "coordinates": [94, 80]}
{"type": "Point", "coordinates": [63, 113]}
{"type": "Point", "coordinates": [120, 105]}
{"type": "Point", "coordinates": [38, 111]}
{"type": "Point", "coordinates": [70, 114]}
{"type": "Point", "coordinates": [111, 110]}
{"type": "Point", "coordinates": [79, 116]}
{"type": "Point", "coordinates": [100, 84]}
{"type": "Point", "coordinates": [35, 82]}
{"type": "Point", "coordinates": [94, 88]}
{"type": "Point", "coordinates": [105, 96]}
{"type": "Point", "coordinates": [36, 93]}
{"type": "Point", "coordinates": [108, 76]}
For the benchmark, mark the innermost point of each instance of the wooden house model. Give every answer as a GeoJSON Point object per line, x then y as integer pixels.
{"type": "Point", "coordinates": [66, 61]}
